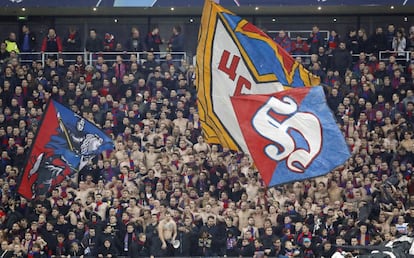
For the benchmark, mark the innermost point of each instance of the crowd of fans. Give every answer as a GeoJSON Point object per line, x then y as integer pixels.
{"type": "Point", "coordinates": [28, 42]}
{"type": "Point", "coordinates": [163, 183]}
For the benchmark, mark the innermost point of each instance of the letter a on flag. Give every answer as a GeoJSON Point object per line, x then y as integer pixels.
{"type": "Point", "coordinates": [64, 144]}
{"type": "Point", "coordinates": [234, 57]}
{"type": "Point", "coordinates": [291, 135]}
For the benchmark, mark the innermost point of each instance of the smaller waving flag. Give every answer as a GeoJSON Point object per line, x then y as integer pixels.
{"type": "Point", "coordinates": [64, 144]}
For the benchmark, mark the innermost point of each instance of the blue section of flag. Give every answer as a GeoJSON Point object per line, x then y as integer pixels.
{"type": "Point", "coordinates": [334, 151]}
{"type": "Point", "coordinates": [70, 119]}
{"type": "Point", "coordinates": [78, 139]}
{"type": "Point", "coordinates": [263, 55]}
{"type": "Point", "coordinates": [232, 20]}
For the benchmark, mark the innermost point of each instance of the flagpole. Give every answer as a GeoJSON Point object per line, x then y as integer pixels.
{"type": "Point", "coordinates": [65, 131]}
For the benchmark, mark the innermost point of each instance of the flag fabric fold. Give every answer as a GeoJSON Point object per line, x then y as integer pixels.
{"type": "Point", "coordinates": [64, 144]}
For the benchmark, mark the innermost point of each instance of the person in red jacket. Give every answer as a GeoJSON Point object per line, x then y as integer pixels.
{"type": "Point", "coordinates": [300, 47]}
{"type": "Point", "coordinates": [52, 42]}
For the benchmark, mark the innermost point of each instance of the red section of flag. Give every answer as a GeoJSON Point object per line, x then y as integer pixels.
{"type": "Point", "coordinates": [245, 107]}
{"type": "Point", "coordinates": [46, 130]}
{"type": "Point", "coordinates": [248, 27]}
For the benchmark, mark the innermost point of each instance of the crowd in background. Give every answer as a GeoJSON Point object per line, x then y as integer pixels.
{"type": "Point", "coordinates": [163, 182]}
{"type": "Point", "coordinates": [26, 42]}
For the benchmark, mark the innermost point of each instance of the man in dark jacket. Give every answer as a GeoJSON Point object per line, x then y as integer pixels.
{"type": "Point", "coordinates": [140, 248]}
{"type": "Point", "coordinates": [307, 250]}
{"type": "Point", "coordinates": [207, 238]}
{"type": "Point", "coordinates": [135, 42]}
{"type": "Point", "coordinates": [128, 238]}
{"type": "Point", "coordinates": [72, 41]}
{"type": "Point", "coordinates": [341, 59]}
{"type": "Point", "coordinates": [176, 42]}
{"type": "Point", "coordinates": [93, 43]}
{"type": "Point", "coordinates": [188, 234]}
{"type": "Point", "coordinates": [89, 243]}
{"type": "Point", "coordinates": [315, 40]}
{"type": "Point", "coordinates": [151, 232]}
{"type": "Point", "coordinates": [154, 40]}
{"type": "Point", "coordinates": [378, 41]}
{"type": "Point", "coordinates": [108, 249]}
{"type": "Point", "coordinates": [246, 248]}
{"type": "Point", "coordinates": [5, 252]}
{"type": "Point", "coordinates": [327, 250]}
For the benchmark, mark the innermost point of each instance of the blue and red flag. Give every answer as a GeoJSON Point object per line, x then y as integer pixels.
{"type": "Point", "coordinates": [64, 144]}
{"type": "Point", "coordinates": [254, 97]}
{"type": "Point", "coordinates": [291, 135]}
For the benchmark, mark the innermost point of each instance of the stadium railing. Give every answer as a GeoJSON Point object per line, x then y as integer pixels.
{"type": "Point", "coordinates": [304, 34]}
{"type": "Point", "coordinates": [399, 55]}
{"type": "Point", "coordinates": [90, 57]}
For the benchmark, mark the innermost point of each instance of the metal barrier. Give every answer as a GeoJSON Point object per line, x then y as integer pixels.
{"type": "Point", "coordinates": [399, 55]}
{"type": "Point", "coordinates": [304, 34]}
{"type": "Point", "coordinates": [383, 55]}
{"type": "Point", "coordinates": [90, 57]}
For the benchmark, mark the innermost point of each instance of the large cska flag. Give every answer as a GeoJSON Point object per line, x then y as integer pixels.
{"type": "Point", "coordinates": [64, 144]}
{"type": "Point", "coordinates": [234, 57]}
{"type": "Point", "coordinates": [236, 64]}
